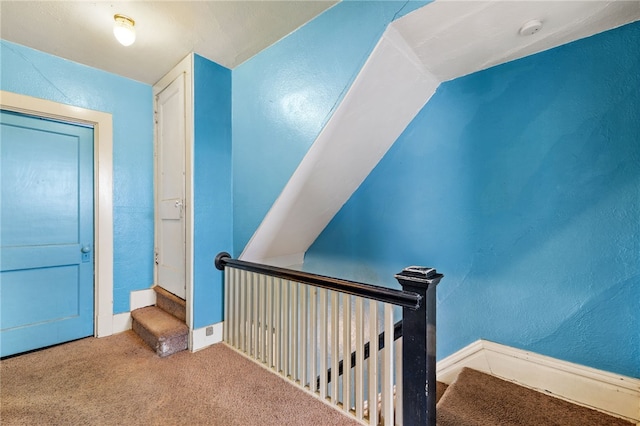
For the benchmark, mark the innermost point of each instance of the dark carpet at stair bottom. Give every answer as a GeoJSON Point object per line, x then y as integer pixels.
{"type": "Point", "coordinates": [478, 399]}
{"type": "Point", "coordinates": [118, 380]}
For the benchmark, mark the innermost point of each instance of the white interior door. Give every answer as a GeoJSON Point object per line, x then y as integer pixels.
{"type": "Point", "coordinates": [170, 187]}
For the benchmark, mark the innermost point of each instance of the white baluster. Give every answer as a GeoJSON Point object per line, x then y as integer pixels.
{"type": "Point", "coordinates": [346, 352]}
{"type": "Point", "coordinates": [285, 349]}
{"type": "Point", "coordinates": [335, 346]}
{"type": "Point", "coordinates": [236, 311]}
{"type": "Point", "coordinates": [295, 343]}
{"type": "Point", "coordinates": [387, 366]}
{"type": "Point", "coordinates": [227, 298]}
{"type": "Point", "coordinates": [313, 339]}
{"type": "Point", "coordinates": [270, 322]}
{"type": "Point", "coordinates": [264, 330]}
{"type": "Point", "coordinates": [304, 343]}
{"type": "Point", "coordinates": [243, 311]}
{"type": "Point", "coordinates": [323, 343]}
{"type": "Point", "coordinates": [373, 363]}
{"type": "Point", "coordinates": [277, 324]}
{"type": "Point", "coordinates": [255, 312]}
{"type": "Point", "coordinates": [359, 370]}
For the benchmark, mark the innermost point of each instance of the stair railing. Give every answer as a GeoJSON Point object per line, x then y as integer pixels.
{"type": "Point", "coordinates": [301, 325]}
{"type": "Point", "coordinates": [397, 334]}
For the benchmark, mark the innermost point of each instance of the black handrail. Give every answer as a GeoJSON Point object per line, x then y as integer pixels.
{"type": "Point", "coordinates": [397, 333]}
{"type": "Point", "coordinates": [406, 299]}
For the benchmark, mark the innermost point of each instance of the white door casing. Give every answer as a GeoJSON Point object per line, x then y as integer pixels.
{"type": "Point", "coordinates": [102, 124]}
{"type": "Point", "coordinates": [173, 103]}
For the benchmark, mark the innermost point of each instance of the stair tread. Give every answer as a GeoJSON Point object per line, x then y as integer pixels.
{"type": "Point", "coordinates": [476, 398]}
{"type": "Point", "coordinates": [159, 323]}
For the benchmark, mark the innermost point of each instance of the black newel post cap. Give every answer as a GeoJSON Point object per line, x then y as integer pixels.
{"type": "Point", "coordinates": [221, 260]}
{"type": "Point", "coordinates": [416, 275]}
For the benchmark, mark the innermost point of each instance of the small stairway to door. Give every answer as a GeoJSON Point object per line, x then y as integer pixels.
{"type": "Point", "coordinates": [162, 326]}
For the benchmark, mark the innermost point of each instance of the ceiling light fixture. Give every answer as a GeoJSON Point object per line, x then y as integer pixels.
{"type": "Point", "coordinates": [124, 29]}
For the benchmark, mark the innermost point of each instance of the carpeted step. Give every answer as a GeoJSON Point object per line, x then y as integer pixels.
{"type": "Point", "coordinates": [478, 399]}
{"type": "Point", "coordinates": [171, 303]}
{"type": "Point", "coordinates": [441, 388]}
{"type": "Point", "coordinates": [162, 331]}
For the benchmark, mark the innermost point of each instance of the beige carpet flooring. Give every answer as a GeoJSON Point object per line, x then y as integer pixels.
{"type": "Point", "coordinates": [118, 380]}
{"type": "Point", "coordinates": [477, 399]}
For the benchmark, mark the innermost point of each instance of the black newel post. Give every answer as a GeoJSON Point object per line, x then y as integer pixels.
{"type": "Point", "coordinates": [419, 347]}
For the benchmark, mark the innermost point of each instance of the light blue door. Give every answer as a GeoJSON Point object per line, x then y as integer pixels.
{"type": "Point", "coordinates": [46, 232]}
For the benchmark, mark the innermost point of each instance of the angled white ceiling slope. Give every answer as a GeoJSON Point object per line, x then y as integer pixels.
{"type": "Point", "coordinates": [441, 41]}
{"type": "Point", "coordinates": [227, 32]}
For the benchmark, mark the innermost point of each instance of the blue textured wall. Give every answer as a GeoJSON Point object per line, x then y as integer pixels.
{"type": "Point", "coordinates": [283, 96]}
{"type": "Point", "coordinates": [213, 219]}
{"type": "Point", "coordinates": [521, 184]}
{"type": "Point", "coordinates": [33, 73]}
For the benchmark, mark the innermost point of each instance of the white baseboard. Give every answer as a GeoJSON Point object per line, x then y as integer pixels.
{"type": "Point", "coordinates": [121, 322]}
{"type": "Point", "coordinates": [137, 299]}
{"type": "Point", "coordinates": [142, 298]}
{"type": "Point", "coordinates": [104, 324]}
{"type": "Point", "coordinates": [611, 393]}
{"type": "Point", "coordinates": [198, 338]}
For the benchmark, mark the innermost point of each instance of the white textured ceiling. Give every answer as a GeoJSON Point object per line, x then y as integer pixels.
{"type": "Point", "coordinates": [227, 32]}
{"type": "Point", "coordinates": [452, 38]}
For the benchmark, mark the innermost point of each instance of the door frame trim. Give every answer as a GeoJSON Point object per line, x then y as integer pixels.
{"type": "Point", "coordinates": [185, 66]}
{"type": "Point", "coordinates": [102, 124]}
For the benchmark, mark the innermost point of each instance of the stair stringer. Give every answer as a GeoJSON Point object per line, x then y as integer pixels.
{"type": "Point", "coordinates": [613, 394]}
{"type": "Point", "coordinates": [392, 87]}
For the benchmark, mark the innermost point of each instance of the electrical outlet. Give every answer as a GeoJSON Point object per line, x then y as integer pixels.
{"type": "Point", "coordinates": [209, 331]}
